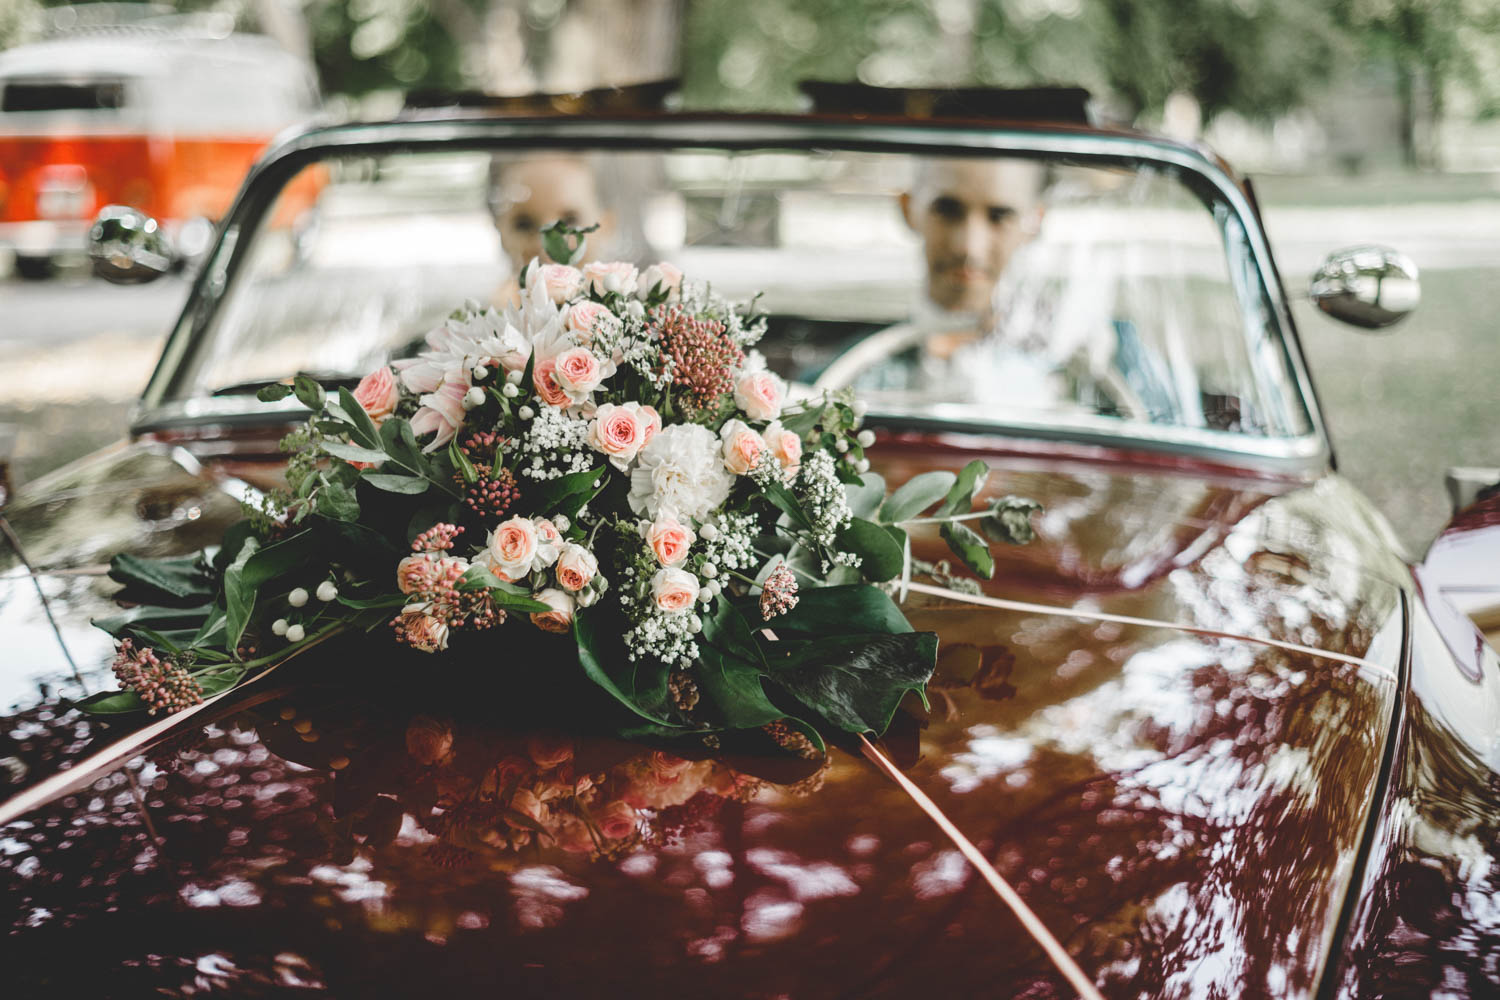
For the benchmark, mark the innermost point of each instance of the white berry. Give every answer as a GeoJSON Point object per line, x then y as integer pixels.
{"type": "Point", "coordinates": [297, 598]}
{"type": "Point", "coordinates": [525, 413]}
{"type": "Point", "coordinates": [862, 466]}
{"type": "Point", "coordinates": [514, 377]}
{"type": "Point", "coordinates": [327, 591]}
{"type": "Point", "coordinates": [296, 633]}
{"type": "Point", "coordinates": [509, 390]}
{"type": "Point", "coordinates": [866, 438]}
{"type": "Point", "coordinates": [709, 570]}
{"type": "Point", "coordinates": [481, 372]}
{"type": "Point", "coordinates": [279, 627]}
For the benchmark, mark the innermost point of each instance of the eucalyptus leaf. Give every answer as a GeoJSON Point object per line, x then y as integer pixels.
{"type": "Point", "coordinates": [273, 393]}
{"type": "Point", "coordinates": [1010, 520]}
{"type": "Point", "coordinates": [337, 501]}
{"type": "Point", "coordinates": [967, 544]}
{"type": "Point", "coordinates": [391, 483]}
{"type": "Point", "coordinates": [361, 428]}
{"type": "Point", "coordinates": [352, 452]}
{"type": "Point", "coordinates": [865, 497]}
{"type": "Point", "coordinates": [309, 393]}
{"type": "Point", "coordinates": [916, 495]}
{"type": "Point", "coordinates": [961, 497]}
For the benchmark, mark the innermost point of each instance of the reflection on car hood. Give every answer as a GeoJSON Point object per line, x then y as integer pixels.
{"type": "Point", "coordinates": [1181, 809]}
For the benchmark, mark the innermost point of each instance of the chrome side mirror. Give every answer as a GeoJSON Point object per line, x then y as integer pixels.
{"type": "Point", "coordinates": [1367, 286]}
{"type": "Point", "coordinates": [128, 247]}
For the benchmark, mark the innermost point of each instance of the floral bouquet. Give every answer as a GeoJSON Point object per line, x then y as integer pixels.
{"type": "Point", "coordinates": [606, 458]}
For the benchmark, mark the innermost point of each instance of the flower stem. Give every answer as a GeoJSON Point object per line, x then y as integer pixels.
{"type": "Point", "coordinates": [977, 515]}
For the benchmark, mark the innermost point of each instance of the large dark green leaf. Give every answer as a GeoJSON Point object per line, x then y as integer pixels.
{"type": "Point", "coordinates": [787, 503]}
{"type": "Point", "coordinates": [624, 690]}
{"type": "Point", "coordinates": [239, 595]}
{"type": "Point", "coordinates": [916, 495]}
{"type": "Point", "coordinates": [840, 610]}
{"type": "Point", "coordinates": [880, 556]}
{"type": "Point", "coordinates": [163, 581]}
{"type": "Point", "coordinates": [854, 681]}
{"type": "Point", "coordinates": [732, 687]}
{"type": "Point", "coordinates": [152, 616]}
{"type": "Point", "coordinates": [111, 703]}
{"type": "Point", "coordinates": [280, 558]}
{"type": "Point", "coordinates": [549, 497]}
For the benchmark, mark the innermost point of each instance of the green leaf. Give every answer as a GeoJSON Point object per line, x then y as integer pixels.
{"type": "Point", "coordinates": [968, 546]}
{"type": "Point", "coordinates": [733, 687]}
{"type": "Point", "coordinates": [273, 393]}
{"type": "Point", "coordinates": [153, 616]}
{"type": "Point", "coordinates": [163, 581]}
{"type": "Point", "coordinates": [555, 242]}
{"type": "Point", "coordinates": [219, 679]}
{"type": "Point", "coordinates": [961, 497]}
{"type": "Point", "coordinates": [1010, 520]}
{"type": "Point", "coordinates": [239, 594]}
{"type": "Point", "coordinates": [352, 452]}
{"type": "Point", "coordinates": [382, 601]}
{"type": "Point", "coordinates": [593, 666]}
{"type": "Point", "coordinates": [787, 503]}
{"type": "Point", "coordinates": [552, 496]}
{"type": "Point", "coordinates": [337, 501]}
{"type": "Point", "coordinates": [361, 428]}
{"type": "Point", "coordinates": [409, 485]}
{"type": "Point", "coordinates": [309, 393]}
{"type": "Point", "coordinates": [860, 607]}
{"type": "Point", "coordinates": [280, 558]}
{"type": "Point", "coordinates": [400, 443]}
{"type": "Point", "coordinates": [461, 462]}
{"type": "Point", "coordinates": [916, 495]}
{"type": "Point", "coordinates": [505, 595]}
{"type": "Point", "coordinates": [854, 681]}
{"type": "Point", "coordinates": [864, 498]}
{"type": "Point", "coordinates": [802, 421]}
{"type": "Point", "coordinates": [881, 558]}
{"type": "Point", "coordinates": [111, 703]}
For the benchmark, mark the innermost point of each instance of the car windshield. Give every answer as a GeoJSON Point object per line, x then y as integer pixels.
{"type": "Point", "coordinates": [1117, 297]}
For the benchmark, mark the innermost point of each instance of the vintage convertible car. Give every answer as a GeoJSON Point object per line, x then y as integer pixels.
{"type": "Point", "coordinates": [1218, 734]}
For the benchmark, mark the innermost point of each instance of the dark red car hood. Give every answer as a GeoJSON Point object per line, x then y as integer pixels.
{"type": "Point", "coordinates": [1180, 797]}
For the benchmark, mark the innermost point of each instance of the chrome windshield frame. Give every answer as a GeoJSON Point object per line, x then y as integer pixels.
{"type": "Point", "coordinates": [444, 132]}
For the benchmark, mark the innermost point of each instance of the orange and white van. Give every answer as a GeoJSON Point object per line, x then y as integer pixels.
{"type": "Point", "coordinates": [164, 119]}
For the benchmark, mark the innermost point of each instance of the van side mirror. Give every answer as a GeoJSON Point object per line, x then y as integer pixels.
{"type": "Point", "coordinates": [127, 247]}
{"type": "Point", "coordinates": [1366, 286]}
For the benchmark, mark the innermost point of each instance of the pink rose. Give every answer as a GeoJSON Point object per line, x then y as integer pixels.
{"type": "Point", "coordinates": [615, 276]}
{"type": "Point", "coordinates": [429, 741]}
{"type": "Point", "coordinates": [576, 567]}
{"type": "Point", "coordinates": [760, 394]}
{"type": "Point", "coordinates": [669, 539]}
{"type": "Point", "coordinates": [560, 618]}
{"type": "Point", "coordinates": [674, 590]}
{"type": "Point", "coordinates": [378, 394]}
{"type": "Point", "coordinates": [584, 318]}
{"type": "Point", "coordinates": [513, 548]}
{"type": "Point", "coordinates": [668, 276]}
{"type": "Point", "coordinates": [544, 378]}
{"type": "Point", "coordinates": [561, 281]}
{"type": "Point", "coordinates": [651, 421]}
{"type": "Point", "coordinates": [549, 751]}
{"type": "Point", "coordinates": [420, 630]}
{"type": "Point", "coordinates": [617, 820]}
{"type": "Point", "coordinates": [442, 412]}
{"type": "Point", "coordinates": [577, 373]}
{"type": "Point", "coordinates": [742, 447]}
{"type": "Point", "coordinates": [527, 804]}
{"type": "Point", "coordinates": [617, 432]}
{"type": "Point", "coordinates": [784, 446]}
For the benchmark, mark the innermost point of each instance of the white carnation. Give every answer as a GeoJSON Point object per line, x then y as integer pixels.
{"type": "Point", "coordinates": [680, 469]}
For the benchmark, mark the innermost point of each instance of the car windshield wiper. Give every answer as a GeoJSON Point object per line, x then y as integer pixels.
{"type": "Point", "coordinates": [325, 379]}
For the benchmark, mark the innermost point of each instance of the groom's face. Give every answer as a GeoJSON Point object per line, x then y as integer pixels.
{"type": "Point", "coordinates": [972, 216]}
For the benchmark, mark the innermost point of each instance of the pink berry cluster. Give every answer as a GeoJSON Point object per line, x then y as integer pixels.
{"type": "Point", "coordinates": [160, 683]}
{"type": "Point", "coordinates": [438, 538]}
{"type": "Point", "coordinates": [494, 492]}
{"type": "Point", "coordinates": [702, 356]}
{"type": "Point", "coordinates": [778, 594]}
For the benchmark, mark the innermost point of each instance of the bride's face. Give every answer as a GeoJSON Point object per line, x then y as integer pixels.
{"type": "Point", "coordinates": [972, 216]}
{"type": "Point", "coordinates": [539, 192]}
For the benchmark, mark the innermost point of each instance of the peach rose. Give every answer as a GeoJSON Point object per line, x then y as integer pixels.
{"type": "Point", "coordinates": [577, 373]}
{"type": "Point", "coordinates": [513, 548]}
{"type": "Point", "coordinates": [617, 432]}
{"type": "Point", "coordinates": [549, 751]}
{"type": "Point", "coordinates": [784, 446]}
{"type": "Point", "coordinates": [429, 741]}
{"type": "Point", "coordinates": [576, 567]}
{"type": "Point", "coordinates": [560, 618]}
{"type": "Point", "coordinates": [584, 318]}
{"type": "Point", "coordinates": [669, 539]}
{"type": "Point", "coordinates": [674, 590]}
{"type": "Point", "coordinates": [610, 276]}
{"type": "Point", "coordinates": [561, 281]}
{"type": "Point", "coordinates": [668, 276]}
{"type": "Point", "coordinates": [742, 447]}
{"type": "Point", "coordinates": [760, 394]}
{"type": "Point", "coordinates": [548, 389]}
{"type": "Point", "coordinates": [617, 820]}
{"type": "Point", "coordinates": [378, 393]}
{"type": "Point", "coordinates": [651, 421]}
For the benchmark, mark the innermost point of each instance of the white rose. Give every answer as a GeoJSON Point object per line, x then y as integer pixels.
{"type": "Point", "coordinates": [513, 548]}
{"type": "Point", "coordinates": [668, 276]}
{"type": "Point", "coordinates": [610, 276]}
